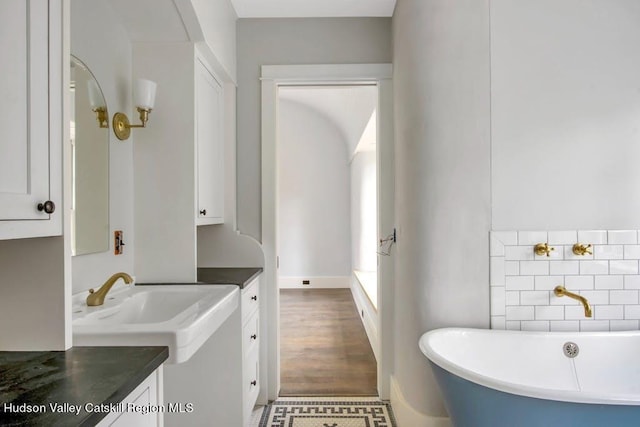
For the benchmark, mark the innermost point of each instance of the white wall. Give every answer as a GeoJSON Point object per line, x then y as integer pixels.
{"type": "Point", "coordinates": [565, 114]}
{"type": "Point", "coordinates": [564, 125]}
{"type": "Point", "coordinates": [101, 42]}
{"type": "Point", "coordinates": [441, 90]}
{"type": "Point", "coordinates": [364, 212]}
{"type": "Point", "coordinates": [314, 236]}
{"type": "Point", "coordinates": [218, 24]}
{"type": "Point", "coordinates": [291, 41]}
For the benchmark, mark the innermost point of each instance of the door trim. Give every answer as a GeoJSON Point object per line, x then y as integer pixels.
{"type": "Point", "coordinates": [272, 77]}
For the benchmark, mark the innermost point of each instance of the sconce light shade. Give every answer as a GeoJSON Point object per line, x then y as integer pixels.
{"type": "Point", "coordinates": [95, 95]}
{"type": "Point", "coordinates": [144, 94]}
{"type": "Point", "coordinates": [144, 97]}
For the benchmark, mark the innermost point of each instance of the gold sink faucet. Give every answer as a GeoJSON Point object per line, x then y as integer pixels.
{"type": "Point", "coordinates": [97, 297]}
{"type": "Point", "coordinates": [562, 291]}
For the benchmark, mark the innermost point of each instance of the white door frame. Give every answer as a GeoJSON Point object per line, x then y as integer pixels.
{"type": "Point", "coordinates": [274, 76]}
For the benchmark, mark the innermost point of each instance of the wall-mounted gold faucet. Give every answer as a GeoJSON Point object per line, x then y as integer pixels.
{"type": "Point", "coordinates": [97, 297]}
{"type": "Point", "coordinates": [580, 249]}
{"type": "Point", "coordinates": [543, 249]}
{"type": "Point", "coordinates": [562, 291]}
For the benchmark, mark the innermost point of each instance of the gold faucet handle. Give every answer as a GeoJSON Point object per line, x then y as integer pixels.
{"type": "Point", "coordinates": [543, 249]}
{"type": "Point", "coordinates": [580, 249]}
{"type": "Point", "coordinates": [91, 290]}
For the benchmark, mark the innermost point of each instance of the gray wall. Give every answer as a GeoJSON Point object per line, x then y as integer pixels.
{"type": "Point", "coordinates": [286, 42]}
{"type": "Point", "coordinates": [442, 140]}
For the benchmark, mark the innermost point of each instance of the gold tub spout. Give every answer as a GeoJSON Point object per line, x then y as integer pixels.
{"type": "Point", "coordinates": [562, 291]}
{"type": "Point", "coordinates": [97, 297]}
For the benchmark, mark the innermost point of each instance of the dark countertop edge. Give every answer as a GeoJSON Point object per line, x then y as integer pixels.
{"type": "Point", "coordinates": [126, 389]}
{"type": "Point", "coordinates": [240, 276]}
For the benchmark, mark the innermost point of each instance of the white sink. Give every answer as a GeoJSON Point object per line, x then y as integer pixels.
{"type": "Point", "coordinates": [181, 317]}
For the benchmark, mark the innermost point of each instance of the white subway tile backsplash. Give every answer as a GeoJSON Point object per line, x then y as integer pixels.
{"type": "Point", "coordinates": [512, 268]}
{"type": "Point", "coordinates": [531, 238]}
{"type": "Point", "coordinates": [521, 312]}
{"type": "Point", "coordinates": [498, 301]}
{"type": "Point", "coordinates": [632, 282]}
{"type": "Point", "coordinates": [632, 312]}
{"type": "Point", "coordinates": [497, 271]}
{"type": "Point", "coordinates": [535, 325]}
{"type": "Point", "coordinates": [519, 283]}
{"type": "Point", "coordinates": [534, 268]}
{"type": "Point", "coordinates": [623, 297]}
{"type": "Point", "coordinates": [574, 283]}
{"type": "Point", "coordinates": [534, 298]}
{"type": "Point", "coordinates": [594, 267]}
{"type": "Point", "coordinates": [622, 237]}
{"type": "Point", "coordinates": [623, 267]}
{"type": "Point", "coordinates": [609, 282]}
{"type": "Point", "coordinates": [624, 325]}
{"type": "Point", "coordinates": [564, 326]}
{"type": "Point", "coordinates": [564, 267]}
{"type": "Point", "coordinates": [608, 252]}
{"type": "Point", "coordinates": [549, 312]}
{"type": "Point", "coordinates": [512, 325]}
{"type": "Point", "coordinates": [608, 312]}
{"type": "Point", "coordinates": [562, 237]}
{"type": "Point", "coordinates": [594, 325]}
{"type": "Point", "coordinates": [512, 298]}
{"type": "Point", "coordinates": [594, 237]}
{"type": "Point", "coordinates": [518, 253]}
{"type": "Point", "coordinates": [548, 283]}
{"type": "Point", "coordinates": [522, 283]}
{"type": "Point", "coordinates": [631, 251]}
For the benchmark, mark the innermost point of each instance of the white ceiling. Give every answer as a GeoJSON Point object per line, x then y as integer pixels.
{"type": "Point", "coordinates": [312, 8]}
{"type": "Point", "coordinates": [349, 107]}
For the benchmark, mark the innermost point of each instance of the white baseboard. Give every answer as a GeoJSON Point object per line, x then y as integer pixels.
{"type": "Point", "coordinates": [315, 282]}
{"type": "Point", "coordinates": [370, 318]}
{"type": "Point", "coordinates": [407, 416]}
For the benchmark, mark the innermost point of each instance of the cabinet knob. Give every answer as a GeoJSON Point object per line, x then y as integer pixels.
{"type": "Point", "coordinates": [48, 207]}
{"type": "Point", "coordinates": [203, 211]}
{"type": "Point", "coordinates": [254, 382]}
{"type": "Point", "coordinates": [255, 297]}
{"type": "Point", "coordinates": [254, 337]}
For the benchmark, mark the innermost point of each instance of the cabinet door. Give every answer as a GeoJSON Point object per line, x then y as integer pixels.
{"type": "Point", "coordinates": [25, 155]}
{"type": "Point", "coordinates": [210, 147]}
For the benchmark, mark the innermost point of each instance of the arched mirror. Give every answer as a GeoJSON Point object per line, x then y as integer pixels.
{"type": "Point", "coordinates": [90, 161]}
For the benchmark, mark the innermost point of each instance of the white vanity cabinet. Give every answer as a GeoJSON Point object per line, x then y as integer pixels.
{"type": "Point", "coordinates": [250, 302]}
{"type": "Point", "coordinates": [30, 118]}
{"type": "Point", "coordinates": [209, 145]}
{"type": "Point", "coordinates": [139, 406]}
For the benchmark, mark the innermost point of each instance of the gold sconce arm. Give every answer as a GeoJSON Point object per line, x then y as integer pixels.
{"type": "Point", "coordinates": [561, 291]}
{"type": "Point", "coordinates": [122, 127]}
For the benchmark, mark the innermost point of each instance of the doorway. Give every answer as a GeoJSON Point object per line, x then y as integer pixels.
{"type": "Point", "coordinates": [273, 79]}
{"type": "Point", "coordinates": [326, 239]}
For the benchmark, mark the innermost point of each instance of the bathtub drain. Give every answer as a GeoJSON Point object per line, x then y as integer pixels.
{"type": "Point", "coordinates": [570, 349]}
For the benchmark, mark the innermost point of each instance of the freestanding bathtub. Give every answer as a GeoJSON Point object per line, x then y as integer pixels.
{"type": "Point", "coordinates": [494, 378]}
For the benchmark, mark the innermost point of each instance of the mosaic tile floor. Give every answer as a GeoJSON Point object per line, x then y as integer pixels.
{"type": "Point", "coordinates": [327, 412]}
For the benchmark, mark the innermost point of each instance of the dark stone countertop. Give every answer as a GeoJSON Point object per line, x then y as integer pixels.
{"type": "Point", "coordinates": [225, 276]}
{"type": "Point", "coordinates": [80, 375]}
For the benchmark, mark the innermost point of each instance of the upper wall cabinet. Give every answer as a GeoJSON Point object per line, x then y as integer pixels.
{"type": "Point", "coordinates": [30, 118]}
{"type": "Point", "coordinates": [209, 145]}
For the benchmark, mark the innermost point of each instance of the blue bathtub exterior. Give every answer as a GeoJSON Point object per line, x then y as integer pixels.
{"type": "Point", "coordinates": [473, 405]}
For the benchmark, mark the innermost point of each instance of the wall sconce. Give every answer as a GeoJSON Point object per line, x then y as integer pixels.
{"type": "Point", "coordinates": [98, 106]}
{"type": "Point", "coordinates": [144, 96]}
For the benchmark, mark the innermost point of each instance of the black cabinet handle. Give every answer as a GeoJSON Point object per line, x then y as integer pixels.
{"type": "Point", "coordinates": [255, 297]}
{"type": "Point", "coordinates": [254, 382]}
{"type": "Point", "coordinates": [48, 207]}
{"type": "Point", "coordinates": [203, 212]}
{"type": "Point", "coordinates": [254, 337]}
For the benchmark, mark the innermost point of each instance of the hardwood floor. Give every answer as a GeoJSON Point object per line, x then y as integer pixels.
{"type": "Point", "coordinates": [324, 350]}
